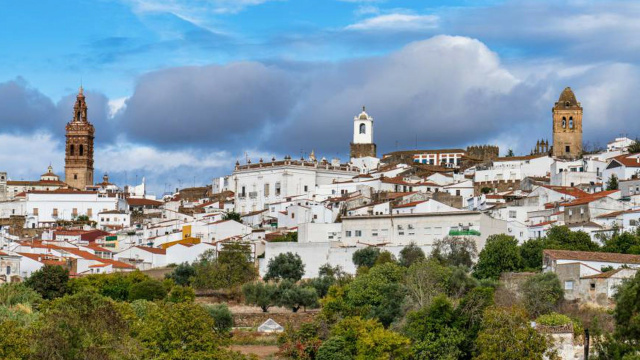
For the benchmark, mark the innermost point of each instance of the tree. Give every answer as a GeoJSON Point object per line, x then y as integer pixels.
{"type": "Point", "coordinates": [561, 237]}
{"type": "Point", "coordinates": [624, 243]}
{"type": "Point", "coordinates": [147, 290]}
{"type": "Point", "coordinates": [377, 294]}
{"type": "Point", "coordinates": [232, 215]}
{"type": "Point", "coordinates": [542, 293]}
{"type": "Point", "coordinates": [367, 339]}
{"type": "Point", "coordinates": [366, 256]}
{"type": "Point", "coordinates": [15, 340]}
{"type": "Point", "coordinates": [506, 335]}
{"type": "Point", "coordinates": [285, 266]}
{"type": "Point", "coordinates": [296, 296]}
{"type": "Point", "coordinates": [334, 349]}
{"type": "Point", "coordinates": [455, 251]}
{"type": "Point", "coordinates": [222, 317]}
{"type": "Point", "coordinates": [411, 254]}
{"type": "Point", "coordinates": [182, 274]}
{"type": "Point", "coordinates": [500, 254]}
{"type": "Point", "coordinates": [12, 294]}
{"type": "Point", "coordinates": [510, 153]}
{"type": "Point", "coordinates": [434, 332]}
{"type": "Point", "coordinates": [531, 252]}
{"type": "Point", "coordinates": [288, 237]}
{"type": "Point", "coordinates": [260, 294]}
{"type": "Point", "coordinates": [229, 268]}
{"type": "Point", "coordinates": [302, 343]}
{"type": "Point", "coordinates": [385, 257]}
{"type": "Point", "coordinates": [612, 183]}
{"type": "Point", "coordinates": [115, 285]}
{"type": "Point", "coordinates": [634, 148]}
{"type": "Point", "coordinates": [424, 281]}
{"type": "Point", "coordinates": [83, 326]}
{"type": "Point", "coordinates": [469, 314]}
{"type": "Point", "coordinates": [50, 281]}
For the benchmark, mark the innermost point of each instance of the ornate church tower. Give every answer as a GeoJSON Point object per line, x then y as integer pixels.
{"type": "Point", "coordinates": [362, 145]}
{"type": "Point", "coordinates": [78, 160]}
{"type": "Point", "coordinates": [567, 126]}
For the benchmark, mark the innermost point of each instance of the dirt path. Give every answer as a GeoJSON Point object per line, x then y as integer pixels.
{"type": "Point", "coordinates": [263, 351]}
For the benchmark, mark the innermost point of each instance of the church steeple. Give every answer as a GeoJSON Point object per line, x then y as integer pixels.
{"type": "Point", "coordinates": [79, 150]}
{"type": "Point", "coordinates": [80, 108]}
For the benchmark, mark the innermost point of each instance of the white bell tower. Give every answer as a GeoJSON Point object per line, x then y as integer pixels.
{"type": "Point", "coordinates": [363, 128]}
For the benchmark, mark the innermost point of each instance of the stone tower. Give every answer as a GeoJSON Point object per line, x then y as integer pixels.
{"type": "Point", "coordinates": [567, 126]}
{"type": "Point", "coordinates": [362, 145]}
{"type": "Point", "coordinates": [78, 168]}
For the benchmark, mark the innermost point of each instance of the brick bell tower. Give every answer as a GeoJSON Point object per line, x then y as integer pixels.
{"type": "Point", "coordinates": [567, 126]}
{"type": "Point", "coordinates": [78, 168]}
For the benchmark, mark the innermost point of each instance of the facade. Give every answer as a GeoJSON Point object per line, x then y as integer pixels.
{"type": "Point", "coordinates": [3, 186]}
{"type": "Point", "coordinates": [79, 148]}
{"type": "Point", "coordinates": [567, 126]}
{"type": "Point", "coordinates": [49, 207]}
{"type": "Point", "coordinates": [49, 181]}
{"type": "Point", "coordinates": [363, 145]}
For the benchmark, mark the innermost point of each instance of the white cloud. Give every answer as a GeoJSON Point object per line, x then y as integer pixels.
{"type": "Point", "coordinates": [116, 106]}
{"type": "Point", "coordinates": [24, 157]}
{"type": "Point", "coordinates": [396, 22]}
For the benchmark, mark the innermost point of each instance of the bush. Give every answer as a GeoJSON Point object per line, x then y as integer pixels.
{"type": "Point", "coordinates": [182, 274]}
{"type": "Point", "coordinates": [296, 296]}
{"type": "Point", "coordinates": [334, 349]}
{"type": "Point", "coordinates": [260, 294]}
{"type": "Point", "coordinates": [553, 319]}
{"type": "Point", "coordinates": [147, 290]}
{"type": "Point", "coordinates": [455, 251]}
{"type": "Point", "coordinates": [181, 294]}
{"type": "Point", "coordinates": [411, 254]}
{"type": "Point", "coordinates": [17, 293]}
{"type": "Point", "coordinates": [285, 266]}
{"type": "Point", "coordinates": [115, 285]}
{"type": "Point", "coordinates": [500, 254]}
{"type": "Point", "coordinates": [222, 317]}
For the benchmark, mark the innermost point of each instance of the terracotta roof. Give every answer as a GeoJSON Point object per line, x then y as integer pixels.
{"type": "Point", "coordinates": [143, 202]}
{"type": "Point", "coordinates": [593, 256]}
{"type": "Point", "coordinates": [604, 275]}
{"type": "Point", "coordinates": [628, 160]}
{"type": "Point", "coordinates": [153, 250]}
{"type": "Point", "coordinates": [544, 223]}
{"type": "Point", "coordinates": [42, 258]}
{"type": "Point", "coordinates": [396, 180]}
{"type": "Point", "coordinates": [589, 198]}
{"type": "Point", "coordinates": [411, 204]}
{"type": "Point", "coordinates": [571, 191]}
{"type": "Point", "coordinates": [36, 183]}
{"type": "Point", "coordinates": [611, 214]}
{"type": "Point", "coordinates": [64, 191]}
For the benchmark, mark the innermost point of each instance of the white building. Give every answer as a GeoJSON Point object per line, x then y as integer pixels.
{"type": "Point", "coordinates": [515, 168]}
{"type": "Point", "coordinates": [624, 167]}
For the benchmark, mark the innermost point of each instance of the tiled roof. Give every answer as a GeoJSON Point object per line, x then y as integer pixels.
{"type": "Point", "coordinates": [411, 204]}
{"type": "Point", "coordinates": [589, 198]}
{"type": "Point", "coordinates": [571, 191]}
{"type": "Point", "coordinates": [544, 223]}
{"type": "Point", "coordinates": [604, 275]}
{"type": "Point", "coordinates": [628, 160]}
{"type": "Point", "coordinates": [143, 202]}
{"type": "Point", "coordinates": [593, 256]}
{"type": "Point", "coordinates": [153, 250]}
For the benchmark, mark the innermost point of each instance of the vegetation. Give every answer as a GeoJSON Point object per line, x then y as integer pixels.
{"type": "Point", "coordinates": [366, 256]}
{"type": "Point", "coordinates": [287, 266]}
{"type": "Point", "coordinates": [222, 317]}
{"type": "Point", "coordinates": [260, 294]}
{"type": "Point", "coordinates": [500, 254]}
{"type": "Point", "coordinates": [411, 254]}
{"type": "Point", "coordinates": [542, 293]}
{"type": "Point", "coordinates": [455, 251]}
{"type": "Point", "coordinates": [612, 183]}
{"type": "Point", "coordinates": [182, 274]}
{"type": "Point", "coordinates": [228, 269]}
{"type": "Point", "coordinates": [634, 148]}
{"type": "Point", "coordinates": [232, 215]}
{"type": "Point", "coordinates": [50, 281]}
{"type": "Point", "coordinates": [288, 237]}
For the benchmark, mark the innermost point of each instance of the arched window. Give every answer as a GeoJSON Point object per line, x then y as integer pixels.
{"type": "Point", "coordinates": [571, 122]}
{"type": "Point", "coordinates": [363, 129]}
{"type": "Point", "coordinates": [564, 122]}
{"type": "Point", "coordinates": [71, 149]}
{"type": "Point", "coordinates": [81, 149]}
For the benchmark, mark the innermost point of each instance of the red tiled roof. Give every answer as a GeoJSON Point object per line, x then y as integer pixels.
{"type": "Point", "coordinates": [143, 202]}
{"type": "Point", "coordinates": [591, 197]}
{"type": "Point", "coordinates": [628, 160]}
{"type": "Point", "coordinates": [411, 204]}
{"type": "Point", "coordinates": [544, 223]}
{"type": "Point", "coordinates": [42, 258]}
{"type": "Point", "coordinates": [571, 191]}
{"type": "Point", "coordinates": [604, 275]}
{"type": "Point", "coordinates": [593, 256]}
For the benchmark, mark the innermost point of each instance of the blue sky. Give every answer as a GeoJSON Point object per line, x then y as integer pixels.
{"type": "Point", "coordinates": [178, 89]}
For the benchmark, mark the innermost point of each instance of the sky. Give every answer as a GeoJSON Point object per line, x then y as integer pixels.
{"type": "Point", "coordinates": [178, 90]}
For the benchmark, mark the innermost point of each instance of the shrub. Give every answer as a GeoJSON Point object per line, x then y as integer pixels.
{"type": "Point", "coordinates": [542, 293]}
{"type": "Point", "coordinates": [222, 317]}
{"type": "Point", "coordinates": [17, 293]}
{"type": "Point", "coordinates": [50, 281]}
{"type": "Point", "coordinates": [411, 254]}
{"type": "Point", "coordinates": [147, 290]}
{"type": "Point", "coordinates": [182, 274]}
{"type": "Point", "coordinates": [181, 294]}
{"type": "Point", "coordinates": [553, 319]}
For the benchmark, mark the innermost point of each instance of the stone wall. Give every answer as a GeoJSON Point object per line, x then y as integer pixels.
{"type": "Point", "coordinates": [363, 150]}
{"type": "Point", "coordinates": [483, 152]}
{"type": "Point", "coordinates": [253, 320]}
{"type": "Point", "coordinates": [496, 186]}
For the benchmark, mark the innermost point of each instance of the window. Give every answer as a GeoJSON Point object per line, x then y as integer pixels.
{"type": "Point", "coordinates": [266, 189]}
{"type": "Point", "coordinates": [568, 285]}
{"type": "Point", "coordinates": [81, 149]}
{"type": "Point", "coordinates": [457, 192]}
{"type": "Point", "coordinates": [358, 233]}
{"type": "Point", "coordinates": [512, 214]}
{"type": "Point", "coordinates": [293, 215]}
{"type": "Point", "coordinates": [55, 212]}
{"type": "Point", "coordinates": [74, 212]}
{"type": "Point", "coordinates": [567, 149]}
{"type": "Point", "coordinates": [592, 287]}
{"type": "Point", "coordinates": [75, 176]}
{"type": "Point", "coordinates": [8, 270]}
{"type": "Point", "coordinates": [71, 149]}
{"type": "Point", "coordinates": [564, 122]}
{"type": "Point", "coordinates": [278, 188]}
{"type": "Point", "coordinates": [571, 122]}
{"type": "Point", "coordinates": [306, 188]}
{"type": "Point", "coordinates": [347, 233]}
{"type": "Point", "coordinates": [35, 211]}
{"type": "Point", "coordinates": [427, 231]}
{"type": "Point", "coordinates": [374, 232]}
{"type": "Point", "coordinates": [363, 129]}
{"type": "Point", "coordinates": [437, 231]}
{"type": "Point", "coordinates": [243, 192]}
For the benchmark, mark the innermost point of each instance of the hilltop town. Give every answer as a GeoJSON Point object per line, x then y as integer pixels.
{"type": "Point", "coordinates": [563, 210]}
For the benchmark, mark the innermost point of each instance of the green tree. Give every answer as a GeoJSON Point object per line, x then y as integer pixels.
{"type": "Point", "coordinates": [455, 251]}
{"type": "Point", "coordinates": [411, 254]}
{"type": "Point", "coordinates": [50, 281]}
{"type": "Point", "coordinates": [561, 237]}
{"type": "Point", "coordinates": [434, 332]}
{"type": "Point", "coordinates": [367, 339]}
{"type": "Point", "coordinates": [334, 349]}
{"type": "Point", "coordinates": [634, 148]}
{"type": "Point", "coordinates": [510, 153]}
{"type": "Point", "coordinates": [612, 183]}
{"type": "Point", "coordinates": [506, 335]}
{"type": "Point", "coordinates": [229, 268]}
{"type": "Point", "coordinates": [264, 295]}
{"type": "Point", "coordinates": [18, 293]}
{"type": "Point", "coordinates": [542, 293]}
{"type": "Point", "coordinates": [424, 281]}
{"type": "Point", "coordinates": [624, 243]}
{"type": "Point", "coordinates": [295, 296]}
{"type": "Point", "coordinates": [385, 257]}
{"type": "Point", "coordinates": [500, 254]}
{"type": "Point", "coordinates": [285, 266]}
{"type": "Point", "coordinates": [232, 215]}
{"type": "Point", "coordinates": [288, 237]}
{"type": "Point", "coordinates": [222, 317]}
{"type": "Point", "coordinates": [180, 293]}
{"type": "Point", "coordinates": [147, 290]}
{"type": "Point", "coordinates": [366, 256]}
{"type": "Point", "coordinates": [302, 343]}
{"type": "Point", "coordinates": [531, 252]}
{"type": "Point", "coordinates": [115, 285]}
{"type": "Point", "coordinates": [469, 314]}
{"type": "Point", "coordinates": [182, 274]}
{"type": "Point", "coordinates": [83, 326]}
{"type": "Point", "coordinates": [378, 294]}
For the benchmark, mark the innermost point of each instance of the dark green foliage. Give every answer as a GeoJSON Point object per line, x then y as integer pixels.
{"type": "Point", "coordinates": [433, 331]}
{"type": "Point", "coordinates": [624, 243]}
{"type": "Point", "coordinates": [18, 293]}
{"type": "Point", "coordinates": [634, 148]}
{"type": "Point", "coordinates": [232, 215]}
{"type": "Point", "coordinates": [459, 282]}
{"type": "Point", "coordinates": [260, 294]}
{"type": "Point", "coordinates": [411, 254]}
{"type": "Point", "coordinates": [486, 190]}
{"type": "Point", "coordinates": [455, 251]}
{"type": "Point", "coordinates": [334, 349]}
{"type": "Point", "coordinates": [531, 252]}
{"type": "Point", "coordinates": [612, 183]}
{"type": "Point", "coordinates": [14, 342]}
{"type": "Point", "coordinates": [50, 281]}
{"type": "Point", "coordinates": [295, 296]}
{"type": "Point", "coordinates": [500, 254]}
{"type": "Point", "coordinates": [115, 286]}
{"type": "Point", "coordinates": [561, 237]}
{"type": "Point", "coordinates": [147, 290]}
{"type": "Point", "coordinates": [366, 256]}
{"type": "Point", "coordinates": [542, 293]}
{"type": "Point", "coordinates": [222, 317]}
{"type": "Point", "coordinates": [385, 257]}
{"type": "Point", "coordinates": [469, 315]}
{"type": "Point", "coordinates": [300, 344]}
{"type": "Point", "coordinates": [285, 266]}
{"type": "Point", "coordinates": [182, 274]}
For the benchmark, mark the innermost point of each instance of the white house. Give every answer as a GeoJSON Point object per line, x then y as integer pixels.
{"type": "Point", "coordinates": [625, 167]}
